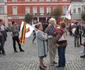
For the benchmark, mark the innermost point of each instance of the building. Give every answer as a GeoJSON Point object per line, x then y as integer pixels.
{"type": "Point", "coordinates": [77, 7]}
{"type": "Point", "coordinates": [3, 11]}
{"type": "Point", "coordinates": [40, 9]}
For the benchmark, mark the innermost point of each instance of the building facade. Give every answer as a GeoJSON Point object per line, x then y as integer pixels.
{"type": "Point", "coordinates": [78, 6]}
{"type": "Point", "coordinates": [3, 11]}
{"type": "Point", "coordinates": [40, 9]}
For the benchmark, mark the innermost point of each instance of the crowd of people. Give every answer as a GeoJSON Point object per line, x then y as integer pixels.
{"type": "Point", "coordinates": [49, 38]}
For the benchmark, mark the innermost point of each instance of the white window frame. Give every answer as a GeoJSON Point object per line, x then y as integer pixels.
{"type": "Point", "coordinates": [1, 11]}
{"type": "Point", "coordinates": [27, 0]}
{"type": "Point", "coordinates": [42, 11]}
{"type": "Point", "coordinates": [65, 0]}
{"type": "Point", "coordinates": [27, 10]}
{"type": "Point", "coordinates": [65, 8]}
{"type": "Point", "coordinates": [34, 10]}
{"type": "Point", "coordinates": [15, 12]}
{"type": "Point", "coordinates": [48, 9]}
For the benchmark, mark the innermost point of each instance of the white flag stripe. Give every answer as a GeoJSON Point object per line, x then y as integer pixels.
{"type": "Point", "coordinates": [68, 16]}
{"type": "Point", "coordinates": [22, 24]}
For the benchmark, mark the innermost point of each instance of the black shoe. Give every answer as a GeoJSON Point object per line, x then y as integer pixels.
{"type": "Point", "coordinates": [54, 62]}
{"type": "Point", "coordinates": [82, 56]}
{"type": "Point", "coordinates": [45, 66]}
{"type": "Point", "coordinates": [41, 68]}
{"type": "Point", "coordinates": [3, 54]}
{"type": "Point", "coordinates": [59, 66]}
{"type": "Point", "coordinates": [16, 51]}
{"type": "Point", "coordinates": [21, 50]}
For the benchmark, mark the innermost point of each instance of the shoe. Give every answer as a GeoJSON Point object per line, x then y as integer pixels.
{"type": "Point", "coordinates": [16, 51]}
{"type": "Point", "coordinates": [41, 68]}
{"type": "Point", "coordinates": [54, 62]}
{"type": "Point", "coordinates": [45, 66]}
{"type": "Point", "coordinates": [3, 54]}
{"type": "Point", "coordinates": [21, 50]}
{"type": "Point", "coordinates": [59, 66]}
{"type": "Point", "coordinates": [82, 56]}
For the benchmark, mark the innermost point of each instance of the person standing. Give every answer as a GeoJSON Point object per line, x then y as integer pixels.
{"type": "Point", "coordinates": [3, 37]}
{"type": "Point", "coordinates": [76, 35]}
{"type": "Point", "coordinates": [50, 30]}
{"type": "Point", "coordinates": [15, 37]}
{"type": "Point", "coordinates": [42, 46]}
{"type": "Point", "coordinates": [61, 40]}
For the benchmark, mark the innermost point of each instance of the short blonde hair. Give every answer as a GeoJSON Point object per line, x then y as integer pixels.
{"type": "Point", "coordinates": [52, 19]}
{"type": "Point", "coordinates": [38, 25]}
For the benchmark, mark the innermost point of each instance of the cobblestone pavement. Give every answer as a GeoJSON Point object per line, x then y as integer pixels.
{"type": "Point", "coordinates": [28, 60]}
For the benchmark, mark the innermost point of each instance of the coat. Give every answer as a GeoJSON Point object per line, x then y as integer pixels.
{"type": "Point", "coordinates": [41, 42]}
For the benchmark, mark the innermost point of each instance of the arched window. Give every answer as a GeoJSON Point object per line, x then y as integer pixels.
{"type": "Point", "coordinates": [15, 10]}
{"type": "Point", "coordinates": [79, 10]}
{"type": "Point", "coordinates": [74, 10]}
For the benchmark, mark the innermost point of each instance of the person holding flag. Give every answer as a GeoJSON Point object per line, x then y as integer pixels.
{"type": "Point", "coordinates": [15, 37]}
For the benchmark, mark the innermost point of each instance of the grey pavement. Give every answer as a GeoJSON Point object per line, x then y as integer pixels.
{"type": "Point", "coordinates": [29, 60]}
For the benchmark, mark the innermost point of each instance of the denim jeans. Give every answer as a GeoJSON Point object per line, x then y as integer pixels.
{"type": "Point", "coordinates": [84, 50]}
{"type": "Point", "coordinates": [61, 55]}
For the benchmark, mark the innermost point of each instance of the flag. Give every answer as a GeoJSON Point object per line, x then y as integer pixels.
{"type": "Point", "coordinates": [68, 16]}
{"type": "Point", "coordinates": [29, 30]}
{"type": "Point", "coordinates": [22, 32]}
{"type": "Point", "coordinates": [25, 31]}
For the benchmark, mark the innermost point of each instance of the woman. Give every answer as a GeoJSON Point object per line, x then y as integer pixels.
{"type": "Point", "coordinates": [3, 37]}
{"type": "Point", "coordinates": [42, 47]}
{"type": "Point", "coordinates": [61, 40]}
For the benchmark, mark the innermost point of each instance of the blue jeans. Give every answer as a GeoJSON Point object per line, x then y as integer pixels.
{"type": "Point", "coordinates": [61, 55]}
{"type": "Point", "coordinates": [84, 50]}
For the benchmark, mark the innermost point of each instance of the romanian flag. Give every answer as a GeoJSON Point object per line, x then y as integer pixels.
{"type": "Point", "coordinates": [25, 31]}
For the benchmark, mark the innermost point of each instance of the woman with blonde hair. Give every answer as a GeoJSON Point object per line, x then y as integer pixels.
{"type": "Point", "coordinates": [42, 46]}
{"type": "Point", "coordinates": [50, 30]}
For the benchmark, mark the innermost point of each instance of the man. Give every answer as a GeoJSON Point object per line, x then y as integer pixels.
{"type": "Point", "coordinates": [15, 34]}
{"type": "Point", "coordinates": [50, 30]}
{"type": "Point", "coordinates": [76, 35]}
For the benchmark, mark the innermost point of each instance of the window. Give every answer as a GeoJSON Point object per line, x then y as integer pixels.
{"type": "Point", "coordinates": [64, 0]}
{"type": "Point", "coordinates": [74, 10]}
{"type": "Point", "coordinates": [54, 0]}
{"type": "Point", "coordinates": [14, 0]}
{"type": "Point", "coordinates": [1, 10]}
{"type": "Point", "coordinates": [48, 9]}
{"type": "Point", "coordinates": [1, 1]}
{"type": "Point", "coordinates": [41, 10]}
{"type": "Point", "coordinates": [27, 0]}
{"type": "Point", "coordinates": [34, 0]}
{"type": "Point", "coordinates": [27, 10]}
{"type": "Point", "coordinates": [41, 0]}
{"type": "Point", "coordinates": [79, 10]}
{"type": "Point", "coordinates": [54, 8]}
{"type": "Point", "coordinates": [34, 10]}
{"type": "Point", "coordinates": [48, 0]}
{"type": "Point", "coordinates": [15, 10]}
{"type": "Point", "coordinates": [64, 9]}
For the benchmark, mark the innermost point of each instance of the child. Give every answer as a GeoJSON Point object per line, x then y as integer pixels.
{"type": "Point", "coordinates": [42, 47]}
{"type": "Point", "coordinates": [83, 56]}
